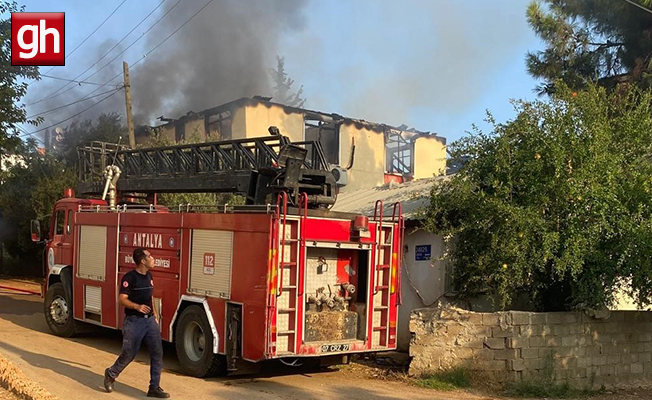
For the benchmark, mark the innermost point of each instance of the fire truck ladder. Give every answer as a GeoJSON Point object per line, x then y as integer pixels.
{"type": "Point", "coordinates": [258, 168]}
{"type": "Point", "coordinates": [383, 276]}
{"type": "Point", "coordinates": [287, 294]}
{"type": "Point", "coordinates": [397, 216]}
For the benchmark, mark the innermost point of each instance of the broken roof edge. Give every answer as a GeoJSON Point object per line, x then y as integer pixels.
{"type": "Point", "coordinates": [414, 197]}
{"type": "Point", "coordinates": [332, 117]}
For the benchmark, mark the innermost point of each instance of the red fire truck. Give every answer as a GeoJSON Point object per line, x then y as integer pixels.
{"type": "Point", "coordinates": [280, 277]}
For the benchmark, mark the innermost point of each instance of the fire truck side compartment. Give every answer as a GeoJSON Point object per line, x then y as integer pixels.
{"type": "Point", "coordinates": [84, 271]}
{"type": "Point", "coordinates": [211, 262]}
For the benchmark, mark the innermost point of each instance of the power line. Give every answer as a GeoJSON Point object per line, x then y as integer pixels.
{"type": "Point", "coordinates": [135, 41]}
{"type": "Point", "coordinates": [70, 104]}
{"type": "Point", "coordinates": [59, 94]}
{"type": "Point", "coordinates": [173, 33]}
{"type": "Point", "coordinates": [54, 93]}
{"type": "Point", "coordinates": [639, 6]}
{"type": "Point", "coordinates": [70, 80]}
{"type": "Point", "coordinates": [22, 129]}
{"type": "Point", "coordinates": [73, 116]}
{"type": "Point", "coordinates": [98, 27]}
{"type": "Point", "coordinates": [155, 47]}
{"type": "Point", "coordinates": [139, 60]}
{"type": "Point", "coordinates": [89, 36]}
{"type": "Point", "coordinates": [28, 134]}
{"type": "Point", "coordinates": [88, 95]}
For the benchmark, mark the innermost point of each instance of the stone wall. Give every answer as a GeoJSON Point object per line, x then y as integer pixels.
{"type": "Point", "coordinates": [612, 349]}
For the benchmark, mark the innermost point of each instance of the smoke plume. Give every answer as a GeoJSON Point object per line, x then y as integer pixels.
{"type": "Point", "coordinates": [222, 54]}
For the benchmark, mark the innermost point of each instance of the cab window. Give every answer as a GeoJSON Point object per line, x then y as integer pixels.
{"type": "Point", "coordinates": [58, 225]}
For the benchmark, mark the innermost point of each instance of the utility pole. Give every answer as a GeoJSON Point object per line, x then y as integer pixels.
{"type": "Point", "coordinates": [130, 118]}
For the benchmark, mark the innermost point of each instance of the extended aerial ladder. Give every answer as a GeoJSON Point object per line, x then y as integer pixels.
{"type": "Point", "coordinates": [257, 168]}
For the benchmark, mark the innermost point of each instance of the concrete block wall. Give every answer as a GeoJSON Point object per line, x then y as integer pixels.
{"type": "Point", "coordinates": [613, 349]}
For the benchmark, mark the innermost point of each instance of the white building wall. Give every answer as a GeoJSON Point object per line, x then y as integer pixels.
{"type": "Point", "coordinates": [427, 276]}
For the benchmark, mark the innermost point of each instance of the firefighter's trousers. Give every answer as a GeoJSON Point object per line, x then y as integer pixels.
{"type": "Point", "coordinates": [135, 330]}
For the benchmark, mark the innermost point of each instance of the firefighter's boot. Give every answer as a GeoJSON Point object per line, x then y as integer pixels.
{"type": "Point", "coordinates": [158, 392]}
{"type": "Point", "coordinates": [108, 381]}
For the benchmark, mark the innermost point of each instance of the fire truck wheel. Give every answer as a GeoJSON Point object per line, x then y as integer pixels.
{"type": "Point", "coordinates": [194, 345]}
{"type": "Point", "coordinates": [58, 311]}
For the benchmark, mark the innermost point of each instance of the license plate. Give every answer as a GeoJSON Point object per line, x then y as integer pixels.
{"type": "Point", "coordinates": [333, 348]}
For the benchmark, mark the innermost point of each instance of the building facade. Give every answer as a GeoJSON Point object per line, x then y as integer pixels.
{"type": "Point", "coordinates": [367, 154]}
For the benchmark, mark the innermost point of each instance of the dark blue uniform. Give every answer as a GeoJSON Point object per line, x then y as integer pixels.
{"type": "Point", "coordinates": [138, 327]}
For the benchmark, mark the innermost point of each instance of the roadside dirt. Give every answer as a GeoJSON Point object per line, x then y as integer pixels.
{"type": "Point", "coordinates": [72, 369]}
{"type": "Point", "coordinates": [634, 394]}
{"type": "Point", "coordinates": [370, 369]}
{"type": "Point", "coordinates": [21, 284]}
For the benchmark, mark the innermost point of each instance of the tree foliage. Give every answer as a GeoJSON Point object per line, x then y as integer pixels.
{"type": "Point", "coordinates": [283, 86]}
{"type": "Point", "coordinates": [11, 87]}
{"type": "Point", "coordinates": [107, 128]}
{"type": "Point", "coordinates": [591, 40]}
{"type": "Point", "coordinates": [555, 204]}
{"type": "Point", "coordinates": [28, 191]}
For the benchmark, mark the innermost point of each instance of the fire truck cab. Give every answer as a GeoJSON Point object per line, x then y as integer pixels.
{"type": "Point", "coordinates": [233, 285]}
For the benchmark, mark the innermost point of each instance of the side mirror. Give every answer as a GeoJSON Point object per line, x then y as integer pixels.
{"type": "Point", "coordinates": [35, 228]}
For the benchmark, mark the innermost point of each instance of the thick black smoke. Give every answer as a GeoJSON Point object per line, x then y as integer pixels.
{"type": "Point", "coordinates": [222, 54]}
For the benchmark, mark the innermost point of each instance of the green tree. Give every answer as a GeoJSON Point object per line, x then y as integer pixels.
{"type": "Point", "coordinates": [107, 128]}
{"type": "Point", "coordinates": [591, 40]}
{"type": "Point", "coordinates": [12, 88]}
{"type": "Point", "coordinates": [28, 191]}
{"type": "Point", "coordinates": [283, 86]}
{"type": "Point", "coordinates": [556, 204]}
{"type": "Point", "coordinates": [30, 188]}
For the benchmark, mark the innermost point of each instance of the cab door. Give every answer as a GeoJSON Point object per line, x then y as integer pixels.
{"type": "Point", "coordinates": [63, 235]}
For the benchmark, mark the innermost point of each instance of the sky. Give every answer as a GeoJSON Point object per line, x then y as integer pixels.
{"type": "Point", "coordinates": [432, 65]}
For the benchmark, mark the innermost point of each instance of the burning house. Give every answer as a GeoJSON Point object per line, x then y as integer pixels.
{"type": "Point", "coordinates": [363, 154]}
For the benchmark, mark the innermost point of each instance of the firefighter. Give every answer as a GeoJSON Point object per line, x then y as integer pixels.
{"type": "Point", "coordinates": [141, 323]}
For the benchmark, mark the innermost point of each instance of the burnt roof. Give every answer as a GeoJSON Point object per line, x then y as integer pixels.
{"type": "Point", "coordinates": [320, 115]}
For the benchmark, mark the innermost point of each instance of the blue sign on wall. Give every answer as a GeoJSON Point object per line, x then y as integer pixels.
{"type": "Point", "coordinates": [422, 252]}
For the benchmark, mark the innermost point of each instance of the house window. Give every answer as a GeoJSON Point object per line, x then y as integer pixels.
{"type": "Point", "coordinates": [398, 150]}
{"type": "Point", "coordinates": [218, 126]}
{"type": "Point", "coordinates": [180, 131]}
{"type": "Point", "coordinates": [327, 134]}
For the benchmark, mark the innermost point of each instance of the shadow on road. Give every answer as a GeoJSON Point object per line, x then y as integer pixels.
{"type": "Point", "coordinates": [20, 304]}
{"type": "Point", "coordinates": [75, 371]}
{"type": "Point", "coordinates": [27, 312]}
{"type": "Point", "coordinates": [323, 389]}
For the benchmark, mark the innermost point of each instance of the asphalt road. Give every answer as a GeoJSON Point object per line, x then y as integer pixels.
{"type": "Point", "coordinates": [73, 368]}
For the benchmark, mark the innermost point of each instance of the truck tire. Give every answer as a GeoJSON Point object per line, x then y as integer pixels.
{"type": "Point", "coordinates": [194, 345]}
{"type": "Point", "coordinates": [58, 311]}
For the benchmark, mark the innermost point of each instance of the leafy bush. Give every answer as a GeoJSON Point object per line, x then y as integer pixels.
{"type": "Point", "coordinates": [554, 205]}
